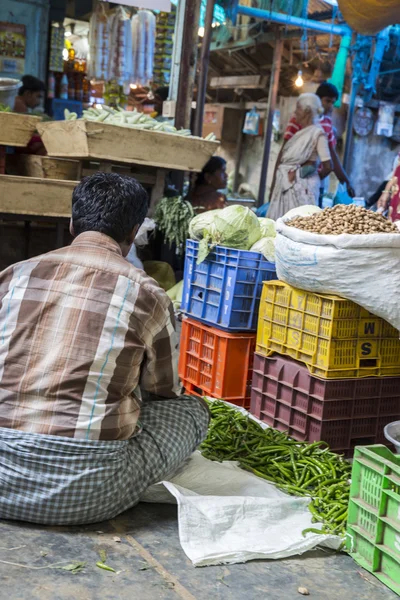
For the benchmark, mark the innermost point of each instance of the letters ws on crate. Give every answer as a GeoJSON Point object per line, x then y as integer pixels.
{"type": "Point", "coordinates": [335, 338]}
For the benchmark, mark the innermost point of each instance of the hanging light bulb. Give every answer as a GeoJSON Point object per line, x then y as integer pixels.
{"type": "Point", "coordinates": [299, 81]}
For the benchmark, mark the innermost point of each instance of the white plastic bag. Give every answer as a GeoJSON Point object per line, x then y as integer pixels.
{"type": "Point", "coordinates": [361, 268]}
{"type": "Point", "coordinates": [132, 257]}
{"type": "Point", "coordinates": [228, 516]}
{"type": "Point", "coordinates": [142, 236]}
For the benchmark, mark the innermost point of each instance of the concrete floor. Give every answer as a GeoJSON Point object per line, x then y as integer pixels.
{"type": "Point", "coordinates": [151, 565]}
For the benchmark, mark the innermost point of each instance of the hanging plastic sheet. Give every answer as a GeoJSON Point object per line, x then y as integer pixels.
{"type": "Point", "coordinates": [120, 59]}
{"type": "Point", "coordinates": [99, 44]}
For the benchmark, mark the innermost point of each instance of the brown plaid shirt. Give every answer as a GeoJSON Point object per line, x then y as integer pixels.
{"type": "Point", "coordinates": [80, 330]}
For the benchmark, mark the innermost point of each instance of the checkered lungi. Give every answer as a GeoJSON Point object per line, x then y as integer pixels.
{"type": "Point", "coordinates": [61, 481]}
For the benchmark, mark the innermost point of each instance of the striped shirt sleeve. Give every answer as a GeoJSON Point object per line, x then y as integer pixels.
{"type": "Point", "coordinates": [292, 128]}
{"type": "Point", "coordinates": [327, 126]}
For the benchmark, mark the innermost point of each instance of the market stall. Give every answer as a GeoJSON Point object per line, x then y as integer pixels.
{"type": "Point", "coordinates": [113, 147]}
{"type": "Point", "coordinates": [39, 188]}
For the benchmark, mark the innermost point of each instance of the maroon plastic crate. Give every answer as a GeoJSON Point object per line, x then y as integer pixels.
{"type": "Point", "coordinates": [344, 413]}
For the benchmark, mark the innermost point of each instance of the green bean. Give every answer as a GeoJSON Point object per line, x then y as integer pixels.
{"type": "Point", "coordinates": [311, 530]}
{"type": "Point", "coordinates": [297, 468]}
{"type": "Point", "coordinates": [101, 565]}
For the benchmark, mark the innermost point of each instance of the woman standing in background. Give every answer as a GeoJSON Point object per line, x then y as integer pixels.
{"type": "Point", "coordinates": [297, 179]}
{"type": "Point", "coordinates": [207, 194]}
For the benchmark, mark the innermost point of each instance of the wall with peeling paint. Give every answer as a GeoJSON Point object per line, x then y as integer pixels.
{"type": "Point", "coordinates": [371, 162]}
{"type": "Point", "coordinates": [34, 14]}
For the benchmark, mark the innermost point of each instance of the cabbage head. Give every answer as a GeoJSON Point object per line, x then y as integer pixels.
{"type": "Point", "coordinates": [233, 227]}
{"type": "Point", "coordinates": [267, 227]}
{"type": "Point", "coordinates": [203, 224]}
{"type": "Point", "coordinates": [237, 227]}
{"type": "Point", "coordinates": [267, 247]}
{"type": "Point", "coordinates": [301, 211]}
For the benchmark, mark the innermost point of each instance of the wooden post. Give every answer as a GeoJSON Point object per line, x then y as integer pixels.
{"type": "Point", "coordinates": [157, 190]}
{"type": "Point", "coordinates": [187, 74]}
{"type": "Point", "coordinates": [188, 64]}
{"type": "Point", "coordinates": [349, 126]}
{"type": "Point", "coordinates": [272, 98]}
{"type": "Point", "coordinates": [203, 71]}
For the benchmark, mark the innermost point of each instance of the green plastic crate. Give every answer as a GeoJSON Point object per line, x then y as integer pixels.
{"type": "Point", "coordinates": [373, 526]}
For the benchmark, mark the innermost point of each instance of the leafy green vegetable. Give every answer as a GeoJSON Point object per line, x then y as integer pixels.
{"type": "Point", "coordinates": [233, 227]}
{"type": "Point", "coordinates": [267, 227]}
{"type": "Point", "coordinates": [4, 108]}
{"type": "Point", "coordinates": [267, 248]}
{"type": "Point", "coordinates": [203, 224]}
{"type": "Point", "coordinates": [173, 216]}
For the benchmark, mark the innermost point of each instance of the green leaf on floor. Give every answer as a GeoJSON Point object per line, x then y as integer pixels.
{"type": "Point", "coordinates": [75, 567]}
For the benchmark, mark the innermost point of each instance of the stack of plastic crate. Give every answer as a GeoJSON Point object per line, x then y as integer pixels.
{"type": "Point", "coordinates": [221, 296]}
{"type": "Point", "coordinates": [324, 369]}
{"type": "Point", "coordinates": [373, 526]}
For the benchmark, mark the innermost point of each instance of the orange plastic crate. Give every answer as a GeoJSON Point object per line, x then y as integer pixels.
{"type": "Point", "coordinates": [216, 363]}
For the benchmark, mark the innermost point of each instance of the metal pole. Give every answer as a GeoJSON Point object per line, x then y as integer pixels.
{"type": "Point", "coordinates": [289, 20]}
{"type": "Point", "coordinates": [239, 147]}
{"type": "Point", "coordinates": [188, 64]}
{"type": "Point", "coordinates": [203, 71]}
{"type": "Point", "coordinates": [350, 120]}
{"type": "Point", "coordinates": [273, 94]}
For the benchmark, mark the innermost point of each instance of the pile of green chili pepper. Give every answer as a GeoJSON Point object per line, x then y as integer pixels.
{"type": "Point", "coordinates": [297, 468]}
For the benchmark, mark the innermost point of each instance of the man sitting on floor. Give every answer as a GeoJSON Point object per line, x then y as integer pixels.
{"type": "Point", "coordinates": [83, 334]}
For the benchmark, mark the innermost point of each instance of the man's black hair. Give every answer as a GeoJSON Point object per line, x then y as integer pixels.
{"type": "Point", "coordinates": [327, 90]}
{"type": "Point", "coordinates": [109, 203]}
{"type": "Point", "coordinates": [31, 84]}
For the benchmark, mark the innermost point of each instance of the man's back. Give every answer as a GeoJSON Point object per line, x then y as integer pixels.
{"type": "Point", "coordinates": [80, 328]}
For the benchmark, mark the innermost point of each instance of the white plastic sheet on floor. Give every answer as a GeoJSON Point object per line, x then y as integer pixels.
{"type": "Point", "coordinates": [227, 515]}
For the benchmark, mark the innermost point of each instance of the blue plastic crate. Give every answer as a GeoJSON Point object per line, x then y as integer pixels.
{"type": "Point", "coordinates": [225, 289]}
{"type": "Point", "coordinates": [59, 105]}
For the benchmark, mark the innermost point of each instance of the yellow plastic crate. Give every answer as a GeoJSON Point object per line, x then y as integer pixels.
{"type": "Point", "coordinates": [334, 337]}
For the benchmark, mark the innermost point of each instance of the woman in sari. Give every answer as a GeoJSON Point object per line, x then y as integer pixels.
{"type": "Point", "coordinates": [297, 178]}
